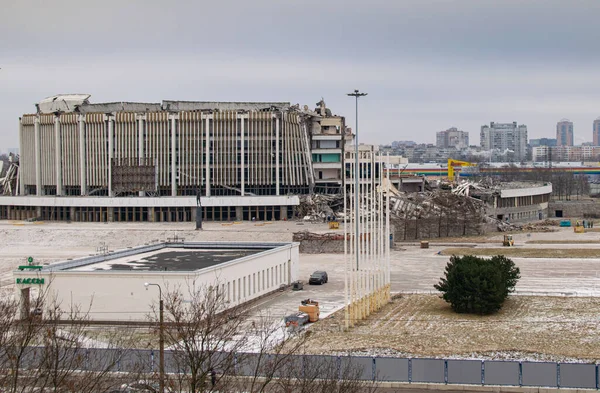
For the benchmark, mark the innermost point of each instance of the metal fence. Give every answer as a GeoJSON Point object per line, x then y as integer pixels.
{"type": "Point", "coordinates": [410, 370]}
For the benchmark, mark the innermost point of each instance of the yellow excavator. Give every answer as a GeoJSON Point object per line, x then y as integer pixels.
{"type": "Point", "coordinates": [454, 163]}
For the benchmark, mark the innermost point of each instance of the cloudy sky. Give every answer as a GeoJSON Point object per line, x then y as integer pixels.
{"type": "Point", "coordinates": [427, 65]}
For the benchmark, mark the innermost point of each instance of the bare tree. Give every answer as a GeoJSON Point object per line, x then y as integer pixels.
{"type": "Point", "coordinates": [65, 364]}
{"type": "Point", "coordinates": [203, 335]}
{"type": "Point", "coordinates": [46, 347]}
{"type": "Point", "coordinates": [208, 341]}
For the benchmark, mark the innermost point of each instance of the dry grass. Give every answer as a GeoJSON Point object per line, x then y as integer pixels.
{"type": "Point", "coordinates": [424, 325]}
{"type": "Point", "coordinates": [563, 242]}
{"type": "Point", "coordinates": [525, 252]}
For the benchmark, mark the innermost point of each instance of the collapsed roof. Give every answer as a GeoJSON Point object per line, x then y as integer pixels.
{"type": "Point", "coordinates": [80, 103]}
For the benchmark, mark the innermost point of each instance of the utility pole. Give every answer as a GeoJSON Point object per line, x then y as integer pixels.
{"type": "Point", "coordinates": [356, 94]}
{"type": "Point", "coordinates": [161, 338]}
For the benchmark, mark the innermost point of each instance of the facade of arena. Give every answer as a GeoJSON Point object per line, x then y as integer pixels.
{"type": "Point", "coordinates": [160, 162]}
{"type": "Point", "coordinates": [518, 201]}
{"type": "Point", "coordinates": [111, 285]}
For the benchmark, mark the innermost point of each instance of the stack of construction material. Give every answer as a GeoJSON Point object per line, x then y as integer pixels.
{"type": "Point", "coordinates": [311, 308]}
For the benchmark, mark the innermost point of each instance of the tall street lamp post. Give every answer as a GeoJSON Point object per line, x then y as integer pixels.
{"type": "Point", "coordinates": [161, 338]}
{"type": "Point", "coordinates": [356, 94]}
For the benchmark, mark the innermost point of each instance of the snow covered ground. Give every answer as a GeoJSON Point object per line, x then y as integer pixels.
{"type": "Point", "coordinates": [414, 270]}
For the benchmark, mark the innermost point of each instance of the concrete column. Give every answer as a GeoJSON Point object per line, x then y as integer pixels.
{"type": "Point", "coordinates": [82, 156]}
{"type": "Point", "coordinates": [207, 152]}
{"type": "Point", "coordinates": [21, 185]}
{"type": "Point", "coordinates": [173, 156]}
{"type": "Point", "coordinates": [239, 213]}
{"type": "Point", "coordinates": [111, 148]}
{"type": "Point", "coordinates": [58, 156]}
{"type": "Point", "coordinates": [38, 157]}
{"type": "Point", "coordinates": [243, 162]}
{"type": "Point", "coordinates": [277, 156]}
{"type": "Point", "coordinates": [194, 213]}
{"type": "Point", "coordinates": [38, 212]}
{"type": "Point", "coordinates": [72, 214]}
{"type": "Point", "coordinates": [110, 214]}
{"type": "Point", "coordinates": [151, 217]}
{"type": "Point", "coordinates": [141, 145]}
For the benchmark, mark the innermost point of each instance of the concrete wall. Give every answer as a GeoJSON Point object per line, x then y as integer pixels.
{"type": "Point", "coordinates": [71, 154]}
{"type": "Point", "coordinates": [328, 246]}
{"type": "Point", "coordinates": [585, 208]}
{"type": "Point", "coordinates": [521, 213]}
{"type": "Point", "coordinates": [121, 295]}
{"type": "Point", "coordinates": [430, 228]}
{"type": "Point", "coordinates": [285, 200]}
{"type": "Point", "coordinates": [519, 192]}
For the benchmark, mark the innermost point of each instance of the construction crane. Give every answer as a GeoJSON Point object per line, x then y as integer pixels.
{"type": "Point", "coordinates": [454, 163]}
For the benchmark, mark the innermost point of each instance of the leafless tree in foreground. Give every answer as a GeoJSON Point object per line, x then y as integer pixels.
{"type": "Point", "coordinates": [48, 349]}
{"type": "Point", "coordinates": [208, 342]}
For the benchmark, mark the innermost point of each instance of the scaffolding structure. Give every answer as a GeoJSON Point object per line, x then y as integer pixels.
{"type": "Point", "coordinates": [367, 237]}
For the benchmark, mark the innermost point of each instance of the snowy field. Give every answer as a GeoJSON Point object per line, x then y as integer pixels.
{"type": "Point", "coordinates": [414, 271]}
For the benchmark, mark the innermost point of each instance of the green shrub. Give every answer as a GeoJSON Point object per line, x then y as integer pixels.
{"type": "Point", "coordinates": [478, 285]}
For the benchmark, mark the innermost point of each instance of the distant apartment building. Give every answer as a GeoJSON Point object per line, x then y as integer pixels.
{"type": "Point", "coordinates": [542, 142]}
{"type": "Point", "coordinates": [596, 128]}
{"type": "Point", "coordinates": [540, 153]}
{"type": "Point", "coordinates": [564, 133]}
{"type": "Point", "coordinates": [505, 137]}
{"type": "Point", "coordinates": [397, 144]}
{"type": "Point", "coordinates": [452, 137]}
{"type": "Point", "coordinates": [565, 153]}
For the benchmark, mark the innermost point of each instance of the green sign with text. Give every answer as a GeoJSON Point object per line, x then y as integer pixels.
{"type": "Point", "coordinates": [30, 281]}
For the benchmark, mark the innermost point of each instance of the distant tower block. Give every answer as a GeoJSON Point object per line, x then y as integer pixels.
{"type": "Point", "coordinates": [367, 245]}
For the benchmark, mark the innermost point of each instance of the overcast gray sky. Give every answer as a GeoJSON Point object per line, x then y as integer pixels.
{"type": "Point", "coordinates": [426, 64]}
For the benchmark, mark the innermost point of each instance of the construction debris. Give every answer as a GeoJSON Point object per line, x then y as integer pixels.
{"type": "Point", "coordinates": [306, 235]}
{"type": "Point", "coordinates": [9, 174]}
{"type": "Point", "coordinates": [449, 210]}
{"type": "Point", "coordinates": [318, 207]}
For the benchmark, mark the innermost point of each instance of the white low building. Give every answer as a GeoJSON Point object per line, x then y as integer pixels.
{"type": "Point", "coordinates": [112, 286]}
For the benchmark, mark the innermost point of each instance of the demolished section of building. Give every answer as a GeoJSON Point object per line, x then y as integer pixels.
{"type": "Point", "coordinates": [9, 175]}
{"type": "Point", "coordinates": [449, 210]}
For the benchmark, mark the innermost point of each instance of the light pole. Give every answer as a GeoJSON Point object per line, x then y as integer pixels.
{"type": "Point", "coordinates": [356, 94]}
{"type": "Point", "coordinates": [198, 210]}
{"type": "Point", "coordinates": [161, 338]}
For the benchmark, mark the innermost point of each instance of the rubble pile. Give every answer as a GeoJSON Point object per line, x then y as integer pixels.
{"type": "Point", "coordinates": [438, 213]}
{"type": "Point", "coordinates": [317, 207]}
{"type": "Point", "coordinates": [9, 173]}
{"type": "Point", "coordinates": [306, 235]}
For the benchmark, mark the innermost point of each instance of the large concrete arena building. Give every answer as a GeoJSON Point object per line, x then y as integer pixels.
{"type": "Point", "coordinates": [159, 161]}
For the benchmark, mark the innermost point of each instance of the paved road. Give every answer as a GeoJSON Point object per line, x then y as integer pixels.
{"type": "Point", "coordinates": [416, 270]}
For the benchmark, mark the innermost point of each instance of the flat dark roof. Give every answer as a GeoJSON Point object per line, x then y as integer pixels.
{"type": "Point", "coordinates": [172, 259]}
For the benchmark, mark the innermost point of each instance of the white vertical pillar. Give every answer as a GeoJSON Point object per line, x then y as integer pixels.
{"type": "Point", "coordinates": [38, 157]}
{"type": "Point", "coordinates": [243, 161]}
{"type": "Point", "coordinates": [82, 156]}
{"type": "Point", "coordinates": [140, 121]}
{"type": "Point", "coordinates": [111, 148]}
{"type": "Point", "coordinates": [140, 148]}
{"type": "Point", "coordinates": [21, 188]}
{"type": "Point", "coordinates": [58, 156]}
{"type": "Point", "coordinates": [173, 156]}
{"type": "Point", "coordinates": [346, 291]}
{"type": "Point", "coordinates": [207, 153]}
{"type": "Point", "coordinates": [277, 180]}
{"type": "Point", "coordinates": [387, 225]}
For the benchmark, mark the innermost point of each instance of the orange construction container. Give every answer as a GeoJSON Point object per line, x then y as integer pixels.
{"type": "Point", "coordinates": [312, 311]}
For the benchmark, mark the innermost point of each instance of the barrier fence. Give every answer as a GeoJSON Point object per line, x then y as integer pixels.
{"type": "Point", "coordinates": [411, 370]}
